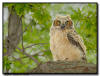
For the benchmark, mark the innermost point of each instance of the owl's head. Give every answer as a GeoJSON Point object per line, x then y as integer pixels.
{"type": "Point", "coordinates": [63, 22]}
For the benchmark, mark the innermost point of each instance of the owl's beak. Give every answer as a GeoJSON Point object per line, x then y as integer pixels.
{"type": "Point", "coordinates": [63, 26]}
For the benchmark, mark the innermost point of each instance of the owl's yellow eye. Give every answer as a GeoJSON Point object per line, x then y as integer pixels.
{"type": "Point", "coordinates": [57, 23]}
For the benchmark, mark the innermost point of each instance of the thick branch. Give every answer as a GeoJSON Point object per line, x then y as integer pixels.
{"type": "Point", "coordinates": [65, 67]}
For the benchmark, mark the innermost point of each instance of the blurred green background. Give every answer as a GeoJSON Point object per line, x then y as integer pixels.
{"type": "Point", "coordinates": [37, 18]}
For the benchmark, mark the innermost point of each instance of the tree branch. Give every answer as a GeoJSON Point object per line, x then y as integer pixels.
{"type": "Point", "coordinates": [30, 56]}
{"type": "Point", "coordinates": [35, 44]}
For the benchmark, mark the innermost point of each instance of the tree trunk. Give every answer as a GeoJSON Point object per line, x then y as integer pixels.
{"type": "Point", "coordinates": [65, 67]}
{"type": "Point", "coordinates": [14, 31]}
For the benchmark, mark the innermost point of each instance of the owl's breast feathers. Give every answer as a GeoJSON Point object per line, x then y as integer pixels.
{"type": "Point", "coordinates": [66, 45]}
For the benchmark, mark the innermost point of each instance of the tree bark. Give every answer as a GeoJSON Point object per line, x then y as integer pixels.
{"type": "Point", "coordinates": [65, 67]}
{"type": "Point", "coordinates": [14, 31]}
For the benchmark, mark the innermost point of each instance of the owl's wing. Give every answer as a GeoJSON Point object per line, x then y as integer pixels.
{"type": "Point", "coordinates": [77, 41]}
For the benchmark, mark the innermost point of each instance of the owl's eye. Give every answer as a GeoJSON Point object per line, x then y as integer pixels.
{"type": "Point", "coordinates": [66, 22]}
{"type": "Point", "coordinates": [57, 23]}
{"type": "Point", "coordinates": [69, 23]}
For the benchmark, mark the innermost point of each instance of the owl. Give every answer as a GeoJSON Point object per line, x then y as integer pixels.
{"type": "Point", "coordinates": [65, 43]}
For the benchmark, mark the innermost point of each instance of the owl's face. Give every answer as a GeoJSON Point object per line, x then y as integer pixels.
{"type": "Point", "coordinates": [63, 22]}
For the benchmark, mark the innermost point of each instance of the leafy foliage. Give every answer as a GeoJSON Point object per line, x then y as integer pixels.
{"type": "Point", "coordinates": [37, 19]}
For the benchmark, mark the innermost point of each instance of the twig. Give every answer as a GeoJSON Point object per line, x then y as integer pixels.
{"type": "Point", "coordinates": [25, 28]}
{"type": "Point", "coordinates": [30, 56]}
{"type": "Point", "coordinates": [18, 59]}
{"type": "Point", "coordinates": [22, 39]}
{"type": "Point", "coordinates": [23, 49]}
{"type": "Point", "coordinates": [36, 61]}
{"type": "Point", "coordinates": [77, 23]}
{"type": "Point", "coordinates": [35, 44]}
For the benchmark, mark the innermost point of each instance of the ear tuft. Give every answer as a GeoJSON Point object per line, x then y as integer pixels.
{"type": "Point", "coordinates": [58, 16]}
{"type": "Point", "coordinates": [70, 22]}
{"type": "Point", "coordinates": [68, 17]}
